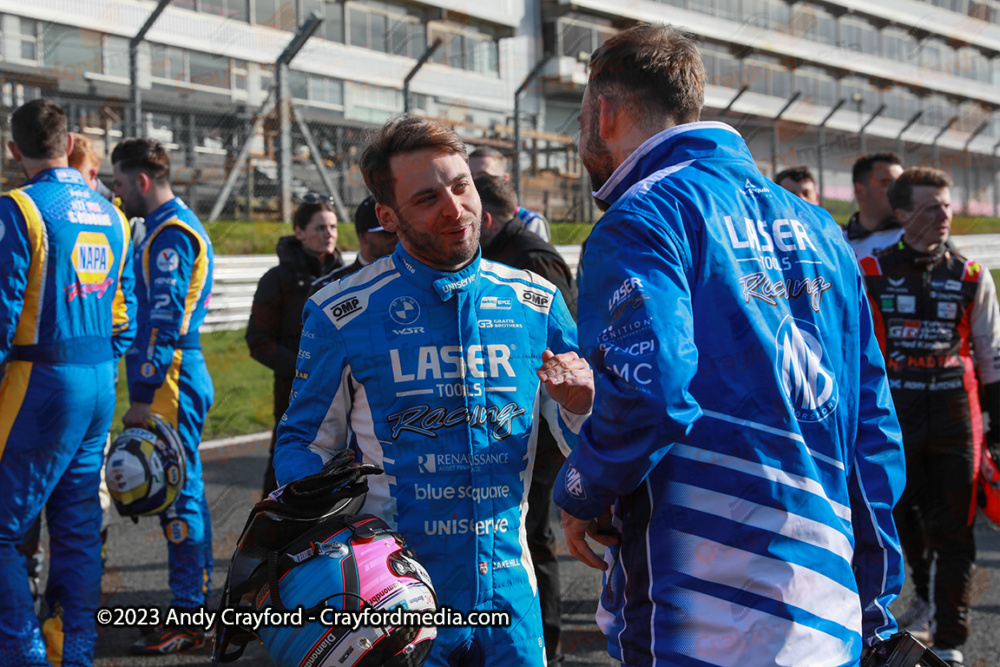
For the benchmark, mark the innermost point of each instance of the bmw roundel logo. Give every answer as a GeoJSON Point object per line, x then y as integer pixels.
{"type": "Point", "coordinates": [404, 310]}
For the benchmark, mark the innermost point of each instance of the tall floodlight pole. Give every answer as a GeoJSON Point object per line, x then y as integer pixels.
{"type": "Point", "coordinates": [909, 124]}
{"type": "Point", "coordinates": [435, 45]}
{"type": "Point", "coordinates": [774, 131]}
{"type": "Point", "coordinates": [133, 67]}
{"type": "Point", "coordinates": [305, 31]}
{"type": "Point", "coordinates": [871, 119]}
{"type": "Point", "coordinates": [517, 119]}
{"type": "Point", "coordinates": [821, 139]}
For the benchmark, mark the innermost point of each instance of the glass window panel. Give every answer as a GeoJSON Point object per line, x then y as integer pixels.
{"type": "Point", "coordinates": [158, 63]}
{"type": "Point", "coordinates": [729, 9]}
{"type": "Point", "coordinates": [418, 39]}
{"type": "Point", "coordinates": [65, 47]}
{"type": "Point", "coordinates": [216, 7]}
{"type": "Point", "coordinates": [454, 52]}
{"type": "Point", "coordinates": [29, 39]}
{"type": "Point", "coordinates": [575, 39]}
{"type": "Point", "coordinates": [238, 10]}
{"type": "Point", "coordinates": [778, 14]}
{"type": "Point", "coordinates": [116, 56]}
{"type": "Point", "coordinates": [378, 32]}
{"type": "Point", "coordinates": [209, 70]}
{"type": "Point", "coordinates": [183, 4]}
{"type": "Point", "coordinates": [333, 26]}
{"type": "Point", "coordinates": [358, 20]}
{"type": "Point", "coordinates": [307, 7]}
{"type": "Point", "coordinates": [298, 85]}
{"type": "Point", "coordinates": [781, 82]}
{"type": "Point", "coordinates": [264, 12]}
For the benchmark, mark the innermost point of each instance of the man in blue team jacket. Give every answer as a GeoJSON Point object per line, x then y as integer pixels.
{"type": "Point", "coordinates": [743, 428]}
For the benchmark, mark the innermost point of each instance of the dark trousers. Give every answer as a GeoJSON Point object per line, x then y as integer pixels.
{"type": "Point", "coordinates": [934, 509]}
{"type": "Point", "coordinates": [542, 539]}
{"type": "Point", "coordinates": [282, 392]}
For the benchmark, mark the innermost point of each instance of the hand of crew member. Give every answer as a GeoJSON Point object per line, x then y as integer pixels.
{"type": "Point", "coordinates": [137, 415]}
{"type": "Point", "coordinates": [576, 537]}
{"type": "Point", "coordinates": [569, 380]}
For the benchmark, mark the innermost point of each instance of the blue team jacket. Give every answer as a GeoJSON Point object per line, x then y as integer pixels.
{"type": "Point", "coordinates": [743, 419]}
{"type": "Point", "coordinates": [174, 262]}
{"type": "Point", "coordinates": [66, 282]}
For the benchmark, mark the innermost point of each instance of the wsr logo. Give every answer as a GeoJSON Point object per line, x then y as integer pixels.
{"type": "Point", "coordinates": [807, 382]}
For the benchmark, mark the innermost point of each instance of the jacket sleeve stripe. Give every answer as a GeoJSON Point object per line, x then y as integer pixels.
{"type": "Point", "coordinates": [119, 320]}
{"type": "Point", "coordinates": [34, 295]}
{"type": "Point", "coordinates": [12, 392]}
{"type": "Point", "coordinates": [198, 277]}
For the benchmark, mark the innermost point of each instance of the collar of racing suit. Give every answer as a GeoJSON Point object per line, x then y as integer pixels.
{"type": "Point", "coordinates": [444, 283]}
{"type": "Point", "coordinates": [856, 231]}
{"type": "Point", "coordinates": [164, 212]}
{"type": "Point", "coordinates": [61, 174]}
{"type": "Point", "coordinates": [924, 260]}
{"type": "Point", "coordinates": [674, 148]}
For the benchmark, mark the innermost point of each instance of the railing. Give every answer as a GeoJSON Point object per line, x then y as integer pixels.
{"type": "Point", "coordinates": [236, 276]}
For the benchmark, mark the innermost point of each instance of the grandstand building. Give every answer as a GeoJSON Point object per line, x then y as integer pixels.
{"type": "Point", "coordinates": [843, 76]}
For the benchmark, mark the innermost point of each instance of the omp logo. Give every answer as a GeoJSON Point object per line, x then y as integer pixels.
{"type": "Point", "coordinates": [342, 309]}
{"type": "Point", "coordinates": [535, 298]}
{"type": "Point", "coordinates": [495, 303]}
{"type": "Point", "coordinates": [404, 310]}
{"type": "Point", "coordinates": [92, 257]}
{"type": "Point", "coordinates": [806, 380]}
{"type": "Point", "coordinates": [451, 361]}
{"type": "Point", "coordinates": [574, 484]}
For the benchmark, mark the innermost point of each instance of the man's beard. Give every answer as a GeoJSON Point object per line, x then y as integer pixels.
{"type": "Point", "coordinates": [135, 208]}
{"type": "Point", "coordinates": [432, 250]}
{"type": "Point", "coordinates": [598, 161]}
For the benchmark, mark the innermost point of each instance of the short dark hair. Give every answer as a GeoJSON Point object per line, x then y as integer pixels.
{"type": "Point", "coordinates": [145, 155]}
{"type": "Point", "coordinates": [306, 210]}
{"type": "Point", "coordinates": [402, 134]}
{"type": "Point", "coordinates": [487, 151]}
{"type": "Point", "coordinates": [901, 191]}
{"type": "Point", "coordinates": [863, 165]}
{"type": "Point", "coordinates": [797, 174]}
{"type": "Point", "coordinates": [498, 196]}
{"type": "Point", "coordinates": [652, 64]}
{"type": "Point", "coordinates": [39, 129]}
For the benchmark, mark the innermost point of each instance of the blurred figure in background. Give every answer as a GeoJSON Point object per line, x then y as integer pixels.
{"type": "Point", "coordinates": [800, 182]}
{"type": "Point", "coordinates": [486, 161]}
{"type": "Point", "coordinates": [874, 226]}
{"type": "Point", "coordinates": [373, 243]}
{"type": "Point", "coordinates": [276, 317]}
{"type": "Point", "coordinates": [86, 160]}
{"type": "Point", "coordinates": [505, 239]}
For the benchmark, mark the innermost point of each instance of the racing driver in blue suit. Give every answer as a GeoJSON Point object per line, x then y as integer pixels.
{"type": "Point", "coordinates": [433, 364]}
{"type": "Point", "coordinates": [743, 427]}
{"type": "Point", "coordinates": [66, 316]}
{"type": "Point", "coordinates": [166, 369]}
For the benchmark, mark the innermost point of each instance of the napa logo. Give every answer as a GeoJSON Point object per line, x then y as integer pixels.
{"type": "Point", "coordinates": [92, 257]}
{"type": "Point", "coordinates": [805, 376]}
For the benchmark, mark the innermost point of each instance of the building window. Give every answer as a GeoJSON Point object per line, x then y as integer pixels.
{"type": "Point", "coordinates": [386, 28]}
{"type": "Point", "coordinates": [279, 14]}
{"type": "Point", "coordinates": [373, 104]}
{"type": "Point", "coordinates": [899, 45]}
{"type": "Point", "coordinates": [577, 36]}
{"type": "Point", "coordinates": [168, 62]}
{"type": "Point", "coordinates": [332, 13]}
{"type": "Point", "coordinates": [115, 56]}
{"type": "Point", "coordinates": [29, 40]}
{"type": "Point", "coordinates": [465, 48]}
{"type": "Point", "coordinates": [326, 91]}
{"type": "Point", "coordinates": [858, 35]}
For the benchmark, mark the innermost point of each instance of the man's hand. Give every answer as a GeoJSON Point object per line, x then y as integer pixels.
{"type": "Point", "coordinates": [576, 537]}
{"type": "Point", "coordinates": [137, 415]}
{"type": "Point", "coordinates": [569, 380]}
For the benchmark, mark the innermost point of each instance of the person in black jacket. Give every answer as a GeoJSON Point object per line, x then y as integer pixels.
{"type": "Point", "coordinates": [276, 318]}
{"type": "Point", "coordinates": [373, 243]}
{"type": "Point", "coordinates": [505, 239]}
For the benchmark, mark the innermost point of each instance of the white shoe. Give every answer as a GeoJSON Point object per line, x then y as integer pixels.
{"type": "Point", "coordinates": [952, 656]}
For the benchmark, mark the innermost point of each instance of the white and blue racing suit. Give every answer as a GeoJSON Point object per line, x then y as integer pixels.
{"type": "Point", "coordinates": [743, 425]}
{"type": "Point", "coordinates": [432, 376]}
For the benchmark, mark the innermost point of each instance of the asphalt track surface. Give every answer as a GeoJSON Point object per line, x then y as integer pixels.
{"type": "Point", "coordinates": [136, 576]}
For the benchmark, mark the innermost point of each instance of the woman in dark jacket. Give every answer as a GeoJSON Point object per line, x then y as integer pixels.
{"type": "Point", "coordinates": [276, 319]}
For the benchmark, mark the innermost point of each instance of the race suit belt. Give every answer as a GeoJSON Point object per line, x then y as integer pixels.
{"type": "Point", "coordinates": [86, 350]}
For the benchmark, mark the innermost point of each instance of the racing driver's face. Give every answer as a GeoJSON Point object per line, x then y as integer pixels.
{"type": "Point", "coordinates": [437, 209]}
